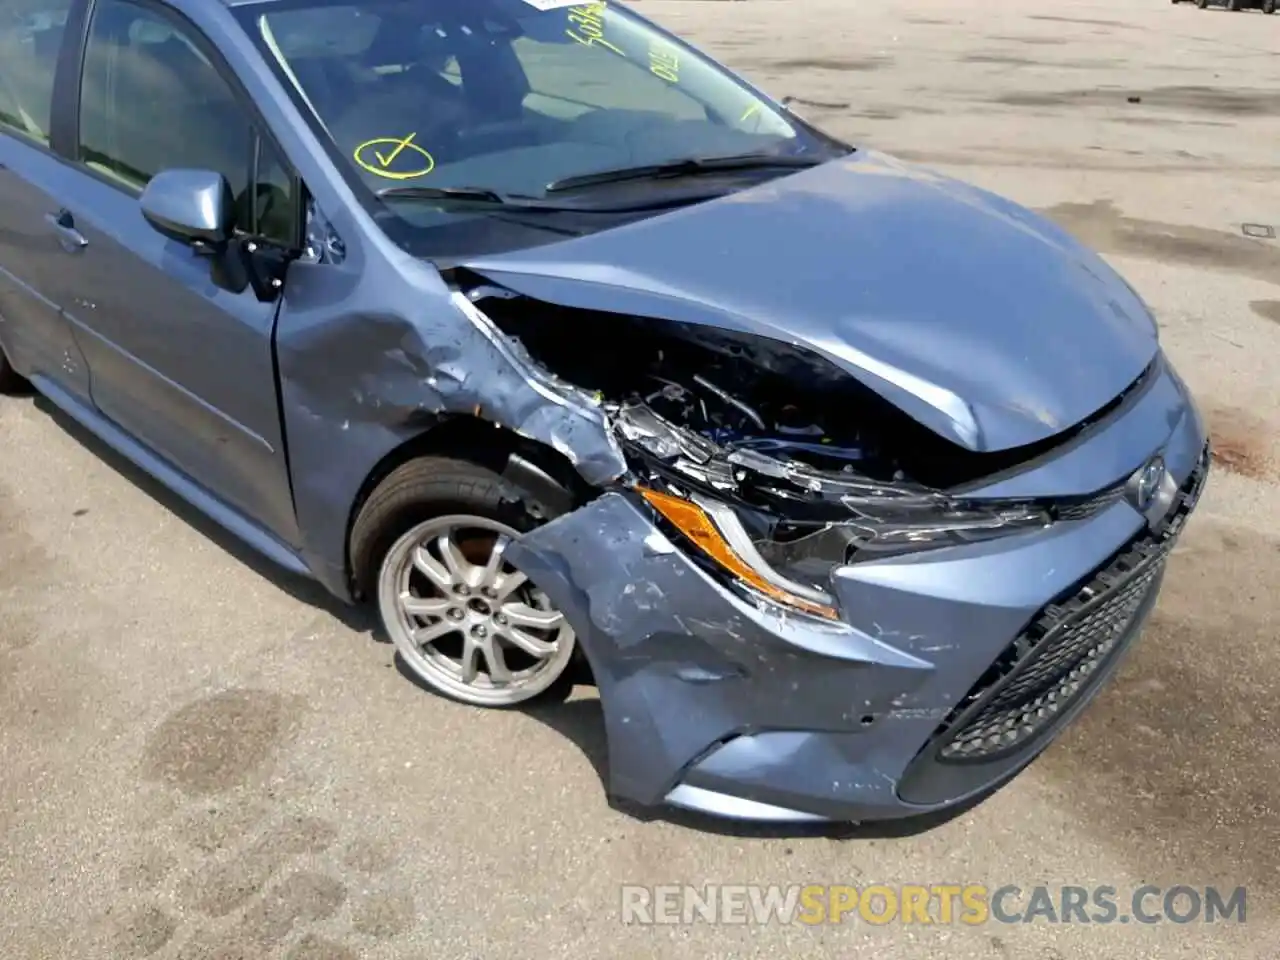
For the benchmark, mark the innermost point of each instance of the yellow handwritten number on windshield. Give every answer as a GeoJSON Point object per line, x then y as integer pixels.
{"type": "Point", "coordinates": [586, 26]}
{"type": "Point", "coordinates": [664, 64]}
{"type": "Point", "coordinates": [395, 158]}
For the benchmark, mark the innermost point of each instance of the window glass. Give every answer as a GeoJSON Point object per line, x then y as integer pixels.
{"type": "Point", "coordinates": [274, 216]}
{"type": "Point", "coordinates": [151, 100]}
{"type": "Point", "coordinates": [572, 79]}
{"type": "Point", "coordinates": [30, 38]}
{"type": "Point", "coordinates": [502, 95]}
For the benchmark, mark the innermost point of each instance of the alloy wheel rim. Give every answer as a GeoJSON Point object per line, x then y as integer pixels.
{"type": "Point", "coordinates": [465, 620]}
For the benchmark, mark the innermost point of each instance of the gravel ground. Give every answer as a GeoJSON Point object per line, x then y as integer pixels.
{"type": "Point", "coordinates": [204, 760]}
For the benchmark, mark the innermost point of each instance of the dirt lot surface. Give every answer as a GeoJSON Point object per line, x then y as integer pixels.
{"type": "Point", "coordinates": [199, 759]}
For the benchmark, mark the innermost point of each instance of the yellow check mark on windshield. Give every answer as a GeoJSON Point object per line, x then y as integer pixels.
{"type": "Point", "coordinates": [387, 160]}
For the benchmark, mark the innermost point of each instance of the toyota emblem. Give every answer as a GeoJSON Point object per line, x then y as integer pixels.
{"type": "Point", "coordinates": [1150, 477]}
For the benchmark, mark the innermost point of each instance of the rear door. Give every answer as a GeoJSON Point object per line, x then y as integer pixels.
{"type": "Point", "coordinates": [184, 366]}
{"type": "Point", "coordinates": [35, 253]}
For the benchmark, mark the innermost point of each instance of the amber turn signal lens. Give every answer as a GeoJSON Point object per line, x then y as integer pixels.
{"type": "Point", "coordinates": [692, 521]}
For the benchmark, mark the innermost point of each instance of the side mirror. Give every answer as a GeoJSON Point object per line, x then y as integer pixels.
{"type": "Point", "coordinates": [190, 206]}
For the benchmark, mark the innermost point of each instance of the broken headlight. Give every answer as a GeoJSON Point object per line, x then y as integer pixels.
{"type": "Point", "coordinates": [717, 530]}
{"type": "Point", "coordinates": [792, 563]}
{"type": "Point", "coordinates": [880, 529]}
{"type": "Point", "coordinates": [888, 525]}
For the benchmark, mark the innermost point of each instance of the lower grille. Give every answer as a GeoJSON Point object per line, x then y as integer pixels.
{"type": "Point", "coordinates": [1052, 662]}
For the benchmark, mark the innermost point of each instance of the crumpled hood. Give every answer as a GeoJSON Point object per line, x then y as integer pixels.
{"type": "Point", "coordinates": [983, 321]}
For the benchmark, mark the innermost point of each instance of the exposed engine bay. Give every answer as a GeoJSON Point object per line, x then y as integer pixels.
{"type": "Point", "coordinates": [813, 465]}
{"type": "Point", "coordinates": [716, 398]}
{"type": "Point", "coordinates": [672, 389]}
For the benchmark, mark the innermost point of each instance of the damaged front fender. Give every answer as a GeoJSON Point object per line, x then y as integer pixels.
{"type": "Point", "coordinates": [372, 353]}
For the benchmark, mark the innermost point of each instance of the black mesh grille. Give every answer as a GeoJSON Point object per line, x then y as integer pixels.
{"type": "Point", "coordinates": [1058, 653]}
{"type": "Point", "coordinates": [1050, 664]}
{"type": "Point", "coordinates": [1083, 509]}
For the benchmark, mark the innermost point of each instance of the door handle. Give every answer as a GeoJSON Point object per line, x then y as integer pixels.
{"type": "Point", "coordinates": [64, 225]}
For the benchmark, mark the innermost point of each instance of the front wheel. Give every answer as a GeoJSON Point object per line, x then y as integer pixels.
{"type": "Point", "coordinates": [1202, 3]}
{"type": "Point", "coordinates": [1268, 6]}
{"type": "Point", "coordinates": [429, 546]}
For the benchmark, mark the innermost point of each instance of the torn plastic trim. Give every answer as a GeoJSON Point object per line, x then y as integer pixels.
{"type": "Point", "coordinates": [570, 420]}
{"type": "Point", "coordinates": [656, 628]}
{"type": "Point", "coordinates": [833, 520]}
{"type": "Point", "coordinates": [725, 468]}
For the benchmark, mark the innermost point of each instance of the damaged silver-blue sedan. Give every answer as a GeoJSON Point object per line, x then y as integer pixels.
{"type": "Point", "coordinates": [561, 345]}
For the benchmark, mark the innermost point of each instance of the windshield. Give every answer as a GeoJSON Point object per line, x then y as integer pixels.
{"type": "Point", "coordinates": [508, 96]}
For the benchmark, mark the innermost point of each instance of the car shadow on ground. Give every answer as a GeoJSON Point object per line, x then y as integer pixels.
{"type": "Point", "coordinates": [305, 591]}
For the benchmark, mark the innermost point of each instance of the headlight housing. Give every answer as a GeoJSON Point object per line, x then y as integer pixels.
{"type": "Point", "coordinates": [716, 530]}
{"type": "Point", "coordinates": [792, 563]}
{"type": "Point", "coordinates": [885, 525]}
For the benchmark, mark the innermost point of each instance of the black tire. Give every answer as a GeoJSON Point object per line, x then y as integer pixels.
{"type": "Point", "coordinates": [1233, 6]}
{"type": "Point", "coordinates": [1268, 6]}
{"type": "Point", "coordinates": [1202, 3]}
{"type": "Point", "coordinates": [10, 381]}
{"type": "Point", "coordinates": [430, 487]}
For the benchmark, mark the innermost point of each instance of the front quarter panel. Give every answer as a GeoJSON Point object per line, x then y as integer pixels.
{"type": "Point", "coordinates": [372, 354]}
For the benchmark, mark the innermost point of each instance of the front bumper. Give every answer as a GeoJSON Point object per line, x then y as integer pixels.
{"type": "Point", "coordinates": [745, 710]}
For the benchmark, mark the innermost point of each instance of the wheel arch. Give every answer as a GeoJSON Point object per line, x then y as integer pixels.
{"type": "Point", "coordinates": [533, 465]}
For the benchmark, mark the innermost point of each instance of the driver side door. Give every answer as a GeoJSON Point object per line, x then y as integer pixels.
{"type": "Point", "coordinates": [181, 364]}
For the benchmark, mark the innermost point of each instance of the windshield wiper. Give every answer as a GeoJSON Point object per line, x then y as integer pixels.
{"type": "Point", "coordinates": [508, 207]}
{"type": "Point", "coordinates": [689, 166]}
{"type": "Point", "coordinates": [475, 194]}
{"type": "Point", "coordinates": [510, 201]}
